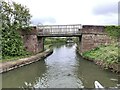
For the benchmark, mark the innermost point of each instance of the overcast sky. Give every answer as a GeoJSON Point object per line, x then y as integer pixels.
{"type": "Point", "coordinates": [90, 12]}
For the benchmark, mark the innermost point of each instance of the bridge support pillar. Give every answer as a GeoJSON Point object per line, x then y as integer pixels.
{"type": "Point", "coordinates": [79, 43]}
{"type": "Point", "coordinates": [40, 44]}
{"type": "Point", "coordinates": [91, 41]}
{"type": "Point", "coordinates": [92, 37]}
{"type": "Point", "coordinates": [31, 41]}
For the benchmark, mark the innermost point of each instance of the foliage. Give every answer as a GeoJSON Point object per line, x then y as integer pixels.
{"type": "Point", "coordinates": [14, 16]}
{"type": "Point", "coordinates": [108, 54]}
{"type": "Point", "coordinates": [13, 58]}
{"type": "Point", "coordinates": [55, 40]}
{"type": "Point", "coordinates": [113, 31]}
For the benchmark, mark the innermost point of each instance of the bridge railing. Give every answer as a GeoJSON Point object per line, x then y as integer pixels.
{"type": "Point", "coordinates": [59, 29]}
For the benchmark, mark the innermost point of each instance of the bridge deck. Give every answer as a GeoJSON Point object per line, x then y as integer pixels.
{"type": "Point", "coordinates": [59, 35]}
{"type": "Point", "coordinates": [59, 30]}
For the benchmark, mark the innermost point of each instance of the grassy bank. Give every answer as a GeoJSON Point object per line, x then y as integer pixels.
{"type": "Point", "coordinates": [107, 54]}
{"type": "Point", "coordinates": [4, 67]}
{"type": "Point", "coordinates": [13, 58]}
{"type": "Point", "coordinates": [48, 44]}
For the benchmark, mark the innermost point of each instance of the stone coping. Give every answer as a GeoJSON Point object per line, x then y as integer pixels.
{"type": "Point", "coordinates": [7, 66]}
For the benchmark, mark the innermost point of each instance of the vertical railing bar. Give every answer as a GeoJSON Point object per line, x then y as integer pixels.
{"type": "Point", "coordinates": [61, 29]}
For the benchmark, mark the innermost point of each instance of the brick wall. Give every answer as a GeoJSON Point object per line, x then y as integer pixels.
{"type": "Point", "coordinates": [92, 37]}
{"type": "Point", "coordinates": [32, 42]}
{"type": "Point", "coordinates": [93, 29]}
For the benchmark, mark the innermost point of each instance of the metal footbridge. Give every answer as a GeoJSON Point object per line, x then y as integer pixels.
{"type": "Point", "coordinates": [59, 30]}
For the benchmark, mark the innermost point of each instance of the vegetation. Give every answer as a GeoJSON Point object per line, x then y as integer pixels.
{"type": "Point", "coordinates": [13, 58]}
{"type": "Point", "coordinates": [48, 43]}
{"type": "Point", "coordinates": [113, 31]}
{"type": "Point", "coordinates": [14, 16]}
{"type": "Point", "coordinates": [54, 40]}
{"type": "Point", "coordinates": [108, 54]}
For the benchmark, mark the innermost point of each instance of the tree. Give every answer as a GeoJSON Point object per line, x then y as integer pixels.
{"type": "Point", "coordinates": [14, 16]}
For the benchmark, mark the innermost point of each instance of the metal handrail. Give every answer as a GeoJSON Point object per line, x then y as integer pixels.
{"type": "Point", "coordinates": [59, 29]}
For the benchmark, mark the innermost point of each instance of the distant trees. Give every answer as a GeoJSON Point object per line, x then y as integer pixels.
{"type": "Point", "coordinates": [14, 16]}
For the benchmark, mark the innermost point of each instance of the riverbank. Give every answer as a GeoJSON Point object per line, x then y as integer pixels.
{"type": "Point", "coordinates": [104, 56]}
{"type": "Point", "coordinates": [7, 66]}
{"type": "Point", "coordinates": [113, 67]}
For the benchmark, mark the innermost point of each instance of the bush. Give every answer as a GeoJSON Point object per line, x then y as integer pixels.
{"type": "Point", "coordinates": [14, 16]}
{"type": "Point", "coordinates": [113, 31]}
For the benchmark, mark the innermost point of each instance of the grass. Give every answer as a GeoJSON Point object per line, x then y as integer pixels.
{"type": "Point", "coordinates": [49, 42]}
{"type": "Point", "coordinates": [13, 58]}
{"type": "Point", "coordinates": [108, 54]}
{"type": "Point", "coordinates": [54, 40]}
{"type": "Point", "coordinates": [48, 46]}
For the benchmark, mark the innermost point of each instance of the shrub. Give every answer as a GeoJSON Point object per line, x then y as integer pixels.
{"type": "Point", "coordinates": [13, 17]}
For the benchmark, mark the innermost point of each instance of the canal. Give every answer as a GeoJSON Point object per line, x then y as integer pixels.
{"type": "Point", "coordinates": [64, 68]}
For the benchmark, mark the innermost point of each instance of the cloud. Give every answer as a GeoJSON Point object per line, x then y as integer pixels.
{"type": "Point", "coordinates": [96, 12]}
{"type": "Point", "coordinates": [106, 8]}
{"type": "Point", "coordinates": [106, 13]}
{"type": "Point", "coordinates": [43, 20]}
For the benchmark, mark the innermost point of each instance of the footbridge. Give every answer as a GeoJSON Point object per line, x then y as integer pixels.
{"type": "Point", "coordinates": [89, 36]}
{"type": "Point", "coordinates": [59, 30]}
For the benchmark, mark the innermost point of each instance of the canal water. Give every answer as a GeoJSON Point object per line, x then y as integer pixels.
{"type": "Point", "coordinates": [64, 68]}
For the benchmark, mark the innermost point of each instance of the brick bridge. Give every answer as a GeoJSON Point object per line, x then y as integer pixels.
{"type": "Point", "coordinates": [90, 36]}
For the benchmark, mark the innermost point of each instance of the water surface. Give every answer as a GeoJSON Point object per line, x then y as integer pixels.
{"type": "Point", "coordinates": [63, 69]}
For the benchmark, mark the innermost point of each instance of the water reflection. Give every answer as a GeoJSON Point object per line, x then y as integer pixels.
{"type": "Point", "coordinates": [63, 69]}
{"type": "Point", "coordinates": [69, 44]}
{"type": "Point", "coordinates": [89, 72]}
{"type": "Point", "coordinates": [30, 74]}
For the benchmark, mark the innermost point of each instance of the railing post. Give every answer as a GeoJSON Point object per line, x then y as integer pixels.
{"type": "Point", "coordinates": [60, 29]}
